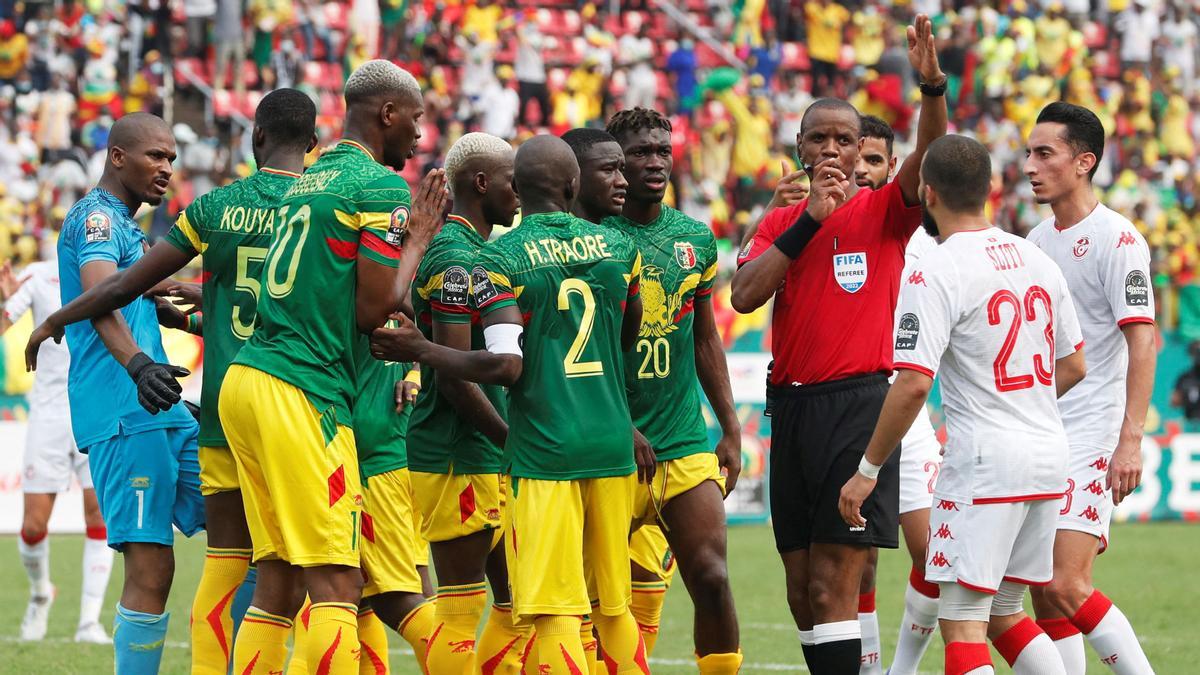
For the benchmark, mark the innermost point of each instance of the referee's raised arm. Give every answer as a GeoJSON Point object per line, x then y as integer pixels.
{"type": "Point", "coordinates": [931, 125]}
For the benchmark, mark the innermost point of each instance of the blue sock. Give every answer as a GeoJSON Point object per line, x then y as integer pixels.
{"type": "Point", "coordinates": [241, 599]}
{"type": "Point", "coordinates": [138, 641]}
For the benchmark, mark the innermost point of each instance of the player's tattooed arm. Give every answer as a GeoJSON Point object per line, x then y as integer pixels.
{"type": "Point", "coordinates": [922, 56]}
{"type": "Point", "coordinates": [713, 372]}
{"type": "Point", "coordinates": [405, 343]}
{"type": "Point", "coordinates": [466, 397]}
{"type": "Point", "coordinates": [904, 401]}
{"type": "Point", "coordinates": [109, 293]}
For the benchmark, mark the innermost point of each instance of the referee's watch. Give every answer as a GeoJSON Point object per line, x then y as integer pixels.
{"type": "Point", "coordinates": [934, 89]}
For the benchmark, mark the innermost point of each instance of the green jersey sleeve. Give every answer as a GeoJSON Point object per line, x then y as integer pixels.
{"type": "Point", "coordinates": [448, 286]}
{"type": "Point", "coordinates": [708, 262]}
{"type": "Point", "coordinates": [381, 210]}
{"type": "Point", "coordinates": [186, 235]}
{"type": "Point", "coordinates": [491, 283]}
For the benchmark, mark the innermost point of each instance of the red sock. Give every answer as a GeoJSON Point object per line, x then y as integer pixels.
{"type": "Point", "coordinates": [1058, 629]}
{"type": "Point", "coordinates": [32, 541]}
{"type": "Point", "coordinates": [963, 657]}
{"type": "Point", "coordinates": [866, 602]}
{"type": "Point", "coordinates": [1091, 612]}
{"type": "Point", "coordinates": [99, 532]}
{"type": "Point", "coordinates": [1012, 642]}
{"type": "Point", "coordinates": [916, 578]}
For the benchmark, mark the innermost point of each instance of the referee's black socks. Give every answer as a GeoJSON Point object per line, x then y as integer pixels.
{"type": "Point", "coordinates": [836, 649]}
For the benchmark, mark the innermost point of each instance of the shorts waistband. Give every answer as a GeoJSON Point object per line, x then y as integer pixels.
{"type": "Point", "coordinates": [830, 387]}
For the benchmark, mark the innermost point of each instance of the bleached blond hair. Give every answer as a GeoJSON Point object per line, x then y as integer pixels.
{"type": "Point", "coordinates": [379, 76]}
{"type": "Point", "coordinates": [470, 146]}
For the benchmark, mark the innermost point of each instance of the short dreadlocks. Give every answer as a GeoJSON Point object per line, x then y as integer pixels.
{"type": "Point", "coordinates": [629, 121]}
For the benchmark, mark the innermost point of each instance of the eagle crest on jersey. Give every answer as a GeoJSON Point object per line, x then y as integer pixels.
{"type": "Point", "coordinates": [660, 310]}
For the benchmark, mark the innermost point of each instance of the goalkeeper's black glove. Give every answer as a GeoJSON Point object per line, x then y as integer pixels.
{"type": "Point", "coordinates": [156, 383]}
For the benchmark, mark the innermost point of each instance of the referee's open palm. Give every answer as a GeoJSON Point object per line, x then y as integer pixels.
{"type": "Point", "coordinates": [922, 53]}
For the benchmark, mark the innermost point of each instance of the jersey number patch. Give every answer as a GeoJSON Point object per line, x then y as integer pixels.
{"type": "Point", "coordinates": [572, 364]}
{"type": "Point", "coordinates": [1043, 368]}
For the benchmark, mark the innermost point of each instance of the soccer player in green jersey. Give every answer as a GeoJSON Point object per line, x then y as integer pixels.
{"type": "Point", "coordinates": [346, 242]}
{"type": "Point", "coordinates": [677, 345]}
{"type": "Point", "coordinates": [230, 228]}
{"type": "Point", "coordinates": [459, 428]}
{"type": "Point", "coordinates": [558, 299]}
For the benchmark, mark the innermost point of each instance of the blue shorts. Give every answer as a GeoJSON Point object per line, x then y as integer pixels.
{"type": "Point", "coordinates": [146, 482]}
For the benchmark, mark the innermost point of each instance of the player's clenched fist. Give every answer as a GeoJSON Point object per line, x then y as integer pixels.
{"type": "Point", "coordinates": [403, 342]}
{"type": "Point", "coordinates": [427, 205]}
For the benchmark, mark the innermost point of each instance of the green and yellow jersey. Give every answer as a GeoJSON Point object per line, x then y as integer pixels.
{"type": "Point", "coordinates": [570, 279]}
{"type": "Point", "coordinates": [230, 228]}
{"type": "Point", "coordinates": [379, 431]}
{"type": "Point", "coordinates": [440, 438]}
{"type": "Point", "coordinates": [679, 264]}
{"type": "Point", "coordinates": [344, 206]}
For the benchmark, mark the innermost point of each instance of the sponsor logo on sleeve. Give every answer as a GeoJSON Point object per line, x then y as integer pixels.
{"type": "Point", "coordinates": [97, 227]}
{"type": "Point", "coordinates": [907, 332]}
{"type": "Point", "coordinates": [850, 270]}
{"type": "Point", "coordinates": [1137, 289]}
{"type": "Point", "coordinates": [455, 286]}
{"type": "Point", "coordinates": [481, 285]}
{"type": "Point", "coordinates": [397, 226]}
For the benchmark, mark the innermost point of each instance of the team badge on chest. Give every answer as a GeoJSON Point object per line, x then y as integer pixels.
{"type": "Point", "coordinates": [850, 270]}
{"type": "Point", "coordinates": [1082, 245]}
{"type": "Point", "coordinates": [685, 255]}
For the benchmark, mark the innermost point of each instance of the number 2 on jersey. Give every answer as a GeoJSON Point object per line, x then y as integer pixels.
{"type": "Point", "coordinates": [571, 363]}
{"type": "Point", "coordinates": [1043, 368]}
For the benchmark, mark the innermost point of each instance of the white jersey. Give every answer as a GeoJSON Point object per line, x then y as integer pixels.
{"type": "Point", "coordinates": [1107, 266]}
{"type": "Point", "coordinates": [990, 314]}
{"type": "Point", "coordinates": [39, 292]}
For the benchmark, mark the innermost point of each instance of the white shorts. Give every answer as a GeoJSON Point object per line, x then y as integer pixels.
{"type": "Point", "coordinates": [51, 457]}
{"type": "Point", "coordinates": [1087, 505]}
{"type": "Point", "coordinates": [920, 459]}
{"type": "Point", "coordinates": [980, 545]}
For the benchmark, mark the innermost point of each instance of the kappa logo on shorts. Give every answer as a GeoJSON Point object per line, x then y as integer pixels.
{"type": "Point", "coordinates": [455, 286]}
{"type": "Point", "coordinates": [939, 560]}
{"type": "Point", "coordinates": [1137, 289]}
{"type": "Point", "coordinates": [943, 532]}
{"type": "Point", "coordinates": [907, 332]}
{"type": "Point", "coordinates": [1091, 514]}
{"type": "Point", "coordinates": [397, 225]}
{"type": "Point", "coordinates": [850, 270]}
{"type": "Point", "coordinates": [138, 482]}
{"type": "Point", "coordinates": [481, 285]}
{"type": "Point", "coordinates": [97, 227]}
{"type": "Point", "coordinates": [1101, 464]}
{"type": "Point", "coordinates": [947, 505]}
{"type": "Point", "coordinates": [1095, 488]}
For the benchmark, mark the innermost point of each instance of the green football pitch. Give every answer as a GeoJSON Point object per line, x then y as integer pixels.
{"type": "Point", "coordinates": [1150, 572]}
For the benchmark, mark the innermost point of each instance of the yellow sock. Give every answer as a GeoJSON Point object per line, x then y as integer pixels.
{"type": "Point", "coordinates": [298, 665]}
{"type": "Point", "coordinates": [502, 644]}
{"type": "Point", "coordinates": [624, 651]}
{"type": "Point", "coordinates": [720, 664]}
{"type": "Point", "coordinates": [261, 643]}
{"type": "Point", "coordinates": [415, 629]}
{"type": "Point", "coordinates": [529, 658]}
{"type": "Point", "coordinates": [212, 627]}
{"type": "Point", "coordinates": [590, 644]}
{"type": "Point", "coordinates": [646, 607]}
{"type": "Point", "coordinates": [333, 638]}
{"type": "Point", "coordinates": [559, 650]}
{"type": "Point", "coordinates": [372, 637]}
{"type": "Point", "coordinates": [451, 648]}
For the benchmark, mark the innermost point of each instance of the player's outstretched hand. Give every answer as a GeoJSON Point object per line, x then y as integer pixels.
{"type": "Point", "coordinates": [729, 456]}
{"type": "Point", "coordinates": [1124, 470]}
{"type": "Point", "coordinates": [406, 394]}
{"type": "Point", "coordinates": [427, 205]}
{"type": "Point", "coordinates": [44, 331]}
{"type": "Point", "coordinates": [157, 383]}
{"type": "Point", "coordinates": [922, 52]}
{"type": "Point", "coordinates": [8, 281]}
{"type": "Point", "coordinates": [854, 493]}
{"type": "Point", "coordinates": [792, 188]}
{"type": "Point", "coordinates": [400, 343]}
{"type": "Point", "coordinates": [643, 455]}
{"type": "Point", "coordinates": [189, 298]}
{"type": "Point", "coordinates": [830, 187]}
{"type": "Point", "coordinates": [169, 316]}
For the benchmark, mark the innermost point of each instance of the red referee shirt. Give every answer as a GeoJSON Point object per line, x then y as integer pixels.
{"type": "Point", "coordinates": [833, 313]}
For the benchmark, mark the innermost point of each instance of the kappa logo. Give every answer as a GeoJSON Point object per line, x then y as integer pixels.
{"type": "Point", "coordinates": [1094, 487]}
{"type": "Point", "coordinates": [1126, 238]}
{"type": "Point", "coordinates": [947, 505]}
{"type": "Point", "coordinates": [1137, 289]}
{"type": "Point", "coordinates": [939, 560]}
{"type": "Point", "coordinates": [917, 278]}
{"type": "Point", "coordinates": [943, 532]}
{"type": "Point", "coordinates": [1091, 514]}
{"type": "Point", "coordinates": [1082, 245]}
{"type": "Point", "coordinates": [1101, 464]}
{"type": "Point", "coordinates": [850, 270]}
{"type": "Point", "coordinates": [907, 332]}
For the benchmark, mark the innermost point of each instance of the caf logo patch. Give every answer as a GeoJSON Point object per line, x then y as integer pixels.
{"type": "Point", "coordinates": [907, 332]}
{"type": "Point", "coordinates": [455, 285]}
{"type": "Point", "coordinates": [97, 227]}
{"type": "Point", "coordinates": [482, 286]}
{"type": "Point", "coordinates": [397, 226]}
{"type": "Point", "coordinates": [685, 255]}
{"type": "Point", "coordinates": [1137, 290]}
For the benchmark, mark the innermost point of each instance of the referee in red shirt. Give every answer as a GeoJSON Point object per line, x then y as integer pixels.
{"type": "Point", "coordinates": [833, 263]}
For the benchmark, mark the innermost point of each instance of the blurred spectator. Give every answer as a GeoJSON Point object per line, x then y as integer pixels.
{"type": "Point", "coordinates": [530, 68]}
{"type": "Point", "coordinates": [1186, 393]}
{"type": "Point", "coordinates": [483, 19]}
{"type": "Point", "coordinates": [498, 105]}
{"type": "Point", "coordinates": [230, 37]}
{"type": "Point", "coordinates": [825, 23]}
{"type": "Point", "coordinates": [14, 52]}
{"type": "Point", "coordinates": [1138, 27]}
{"type": "Point", "coordinates": [1179, 47]}
{"type": "Point", "coordinates": [636, 53]}
{"type": "Point", "coordinates": [681, 65]}
{"type": "Point", "coordinates": [198, 15]}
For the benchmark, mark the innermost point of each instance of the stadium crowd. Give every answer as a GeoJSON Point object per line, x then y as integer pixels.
{"type": "Point", "coordinates": [68, 68]}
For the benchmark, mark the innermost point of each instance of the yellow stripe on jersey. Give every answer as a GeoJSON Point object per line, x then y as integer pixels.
{"type": "Point", "coordinates": [498, 278]}
{"type": "Point", "coordinates": [710, 273]}
{"type": "Point", "coordinates": [349, 220]}
{"type": "Point", "coordinates": [185, 226]}
{"type": "Point", "coordinates": [434, 283]}
{"type": "Point", "coordinates": [637, 268]}
{"type": "Point", "coordinates": [377, 222]}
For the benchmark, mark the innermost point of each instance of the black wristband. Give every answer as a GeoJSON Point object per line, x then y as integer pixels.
{"type": "Point", "coordinates": [934, 90]}
{"type": "Point", "coordinates": [135, 365]}
{"type": "Point", "coordinates": [795, 238]}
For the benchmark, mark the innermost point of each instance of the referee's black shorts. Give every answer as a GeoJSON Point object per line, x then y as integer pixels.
{"type": "Point", "coordinates": [818, 435]}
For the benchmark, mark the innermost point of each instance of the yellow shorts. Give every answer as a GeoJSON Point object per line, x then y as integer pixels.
{"type": "Point", "coordinates": [560, 534]}
{"type": "Point", "coordinates": [218, 471]}
{"type": "Point", "coordinates": [389, 538]}
{"type": "Point", "coordinates": [298, 473]}
{"type": "Point", "coordinates": [456, 505]}
{"type": "Point", "coordinates": [672, 478]}
{"type": "Point", "coordinates": [648, 548]}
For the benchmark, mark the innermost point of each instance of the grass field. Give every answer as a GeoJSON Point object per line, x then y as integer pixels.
{"type": "Point", "coordinates": [1150, 572]}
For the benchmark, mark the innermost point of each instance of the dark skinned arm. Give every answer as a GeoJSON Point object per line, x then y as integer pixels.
{"type": "Point", "coordinates": [922, 55]}
{"type": "Point", "coordinates": [118, 289]}
{"type": "Point", "coordinates": [713, 372]}
{"type": "Point", "coordinates": [111, 327]}
{"type": "Point", "coordinates": [406, 343]}
{"type": "Point", "coordinates": [467, 399]}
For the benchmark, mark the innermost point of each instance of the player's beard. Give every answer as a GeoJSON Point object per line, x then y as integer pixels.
{"type": "Point", "coordinates": [927, 221]}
